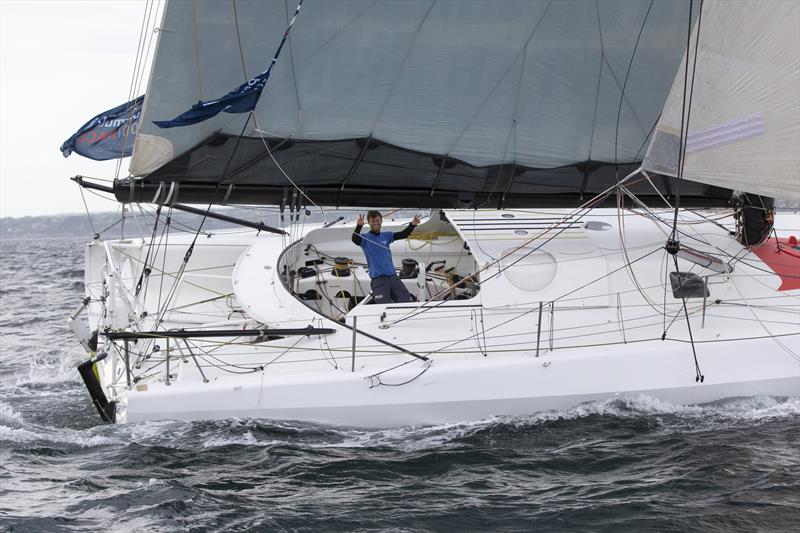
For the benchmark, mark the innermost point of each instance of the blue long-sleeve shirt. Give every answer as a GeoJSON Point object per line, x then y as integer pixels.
{"type": "Point", "coordinates": [376, 248]}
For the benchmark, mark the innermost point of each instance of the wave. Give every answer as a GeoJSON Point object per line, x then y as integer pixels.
{"type": "Point", "coordinates": [9, 415]}
{"type": "Point", "coordinates": [665, 415]}
{"type": "Point", "coordinates": [49, 436]}
{"type": "Point", "coordinates": [47, 371]}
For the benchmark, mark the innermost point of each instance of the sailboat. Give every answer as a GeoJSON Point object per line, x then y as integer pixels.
{"type": "Point", "coordinates": [597, 180]}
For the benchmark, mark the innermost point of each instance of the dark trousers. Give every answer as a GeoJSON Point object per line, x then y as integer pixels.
{"type": "Point", "coordinates": [389, 289]}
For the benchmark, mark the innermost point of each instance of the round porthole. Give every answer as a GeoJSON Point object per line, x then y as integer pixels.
{"type": "Point", "coordinates": [596, 225]}
{"type": "Point", "coordinates": [529, 270]}
{"type": "Point", "coordinates": [507, 215]}
{"type": "Point", "coordinates": [520, 232]}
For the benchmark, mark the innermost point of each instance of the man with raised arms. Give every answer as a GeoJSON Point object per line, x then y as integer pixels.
{"type": "Point", "coordinates": [386, 286]}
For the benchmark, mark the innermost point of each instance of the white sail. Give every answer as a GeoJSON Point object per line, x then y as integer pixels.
{"type": "Point", "coordinates": [744, 120]}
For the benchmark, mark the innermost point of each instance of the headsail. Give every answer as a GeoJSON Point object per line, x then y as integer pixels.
{"type": "Point", "coordinates": [744, 120]}
{"type": "Point", "coordinates": [411, 103]}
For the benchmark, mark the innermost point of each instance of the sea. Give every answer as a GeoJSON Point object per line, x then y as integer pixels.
{"type": "Point", "coordinates": [632, 463]}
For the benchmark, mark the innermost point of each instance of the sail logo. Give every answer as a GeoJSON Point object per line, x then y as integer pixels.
{"type": "Point", "coordinates": [729, 132]}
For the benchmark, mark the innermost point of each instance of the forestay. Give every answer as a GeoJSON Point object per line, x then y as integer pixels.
{"type": "Point", "coordinates": [411, 103]}
{"type": "Point", "coordinates": [744, 90]}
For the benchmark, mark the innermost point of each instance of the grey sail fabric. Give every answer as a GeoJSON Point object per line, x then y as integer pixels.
{"type": "Point", "coordinates": [384, 102]}
{"type": "Point", "coordinates": [744, 120]}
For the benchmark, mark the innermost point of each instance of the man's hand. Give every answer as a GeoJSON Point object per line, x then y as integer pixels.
{"type": "Point", "coordinates": [416, 220]}
{"type": "Point", "coordinates": [360, 221]}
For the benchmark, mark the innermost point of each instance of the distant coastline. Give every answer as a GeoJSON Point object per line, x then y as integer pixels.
{"type": "Point", "coordinates": [78, 225]}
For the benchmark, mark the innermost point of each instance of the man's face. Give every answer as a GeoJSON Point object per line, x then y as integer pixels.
{"type": "Point", "coordinates": [375, 223]}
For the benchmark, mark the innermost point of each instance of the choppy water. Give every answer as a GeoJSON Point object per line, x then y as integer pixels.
{"type": "Point", "coordinates": [632, 463]}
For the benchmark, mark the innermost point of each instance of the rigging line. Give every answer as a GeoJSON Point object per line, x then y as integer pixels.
{"type": "Point", "coordinates": [751, 265]}
{"type": "Point", "coordinates": [624, 248]}
{"type": "Point", "coordinates": [207, 353]}
{"type": "Point", "coordinates": [684, 115]}
{"type": "Point", "coordinates": [224, 174]}
{"type": "Point", "coordinates": [198, 77]}
{"type": "Point", "coordinates": [285, 351]}
{"type": "Point", "coordinates": [499, 79]}
{"type": "Point", "coordinates": [653, 185]}
{"type": "Point", "coordinates": [145, 217]}
{"type": "Point", "coordinates": [280, 168]}
{"type": "Point", "coordinates": [586, 207]}
{"type": "Point", "coordinates": [155, 29]}
{"type": "Point", "coordinates": [108, 227]}
{"type": "Point", "coordinates": [378, 378]}
{"type": "Point", "coordinates": [629, 271]}
{"type": "Point", "coordinates": [88, 214]}
{"type": "Point", "coordinates": [664, 279]}
{"type": "Point", "coordinates": [769, 333]}
{"type": "Point", "coordinates": [294, 73]}
{"type": "Point", "coordinates": [502, 166]}
{"type": "Point", "coordinates": [402, 65]}
{"type": "Point", "coordinates": [698, 375]}
{"type": "Point", "coordinates": [147, 255]}
{"type": "Point", "coordinates": [139, 50]}
{"type": "Point", "coordinates": [239, 40]}
{"type": "Point", "coordinates": [185, 228]}
{"type": "Point", "coordinates": [599, 77]}
{"type": "Point", "coordinates": [174, 274]}
{"type": "Point", "coordinates": [163, 266]}
{"type": "Point", "coordinates": [622, 92]}
{"type": "Point", "coordinates": [682, 162]}
{"type": "Point", "coordinates": [697, 213]}
{"type": "Point", "coordinates": [649, 214]}
{"type": "Point", "coordinates": [644, 142]}
{"type": "Point", "coordinates": [332, 361]}
{"type": "Point", "coordinates": [550, 302]}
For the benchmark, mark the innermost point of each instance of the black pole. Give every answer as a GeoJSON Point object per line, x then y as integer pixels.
{"type": "Point", "coordinates": [106, 409]}
{"type": "Point", "coordinates": [190, 334]}
{"type": "Point", "coordinates": [188, 209]}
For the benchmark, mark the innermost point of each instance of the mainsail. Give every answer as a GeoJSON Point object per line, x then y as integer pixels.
{"type": "Point", "coordinates": [411, 103]}
{"type": "Point", "coordinates": [741, 103]}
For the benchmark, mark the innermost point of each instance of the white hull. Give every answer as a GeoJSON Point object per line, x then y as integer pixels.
{"type": "Point", "coordinates": [455, 391]}
{"type": "Point", "coordinates": [494, 353]}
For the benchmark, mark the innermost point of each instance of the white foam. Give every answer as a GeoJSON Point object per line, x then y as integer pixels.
{"type": "Point", "coordinates": [53, 436]}
{"type": "Point", "coordinates": [247, 439]}
{"type": "Point", "coordinates": [152, 482]}
{"type": "Point", "coordinates": [686, 417]}
{"type": "Point", "coordinates": [43, 371]}
{"type": "Point", "coordinates": [8, 414]}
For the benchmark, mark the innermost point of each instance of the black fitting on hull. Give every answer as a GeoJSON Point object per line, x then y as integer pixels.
{"type": "Point", "coordinates": [106, 409]}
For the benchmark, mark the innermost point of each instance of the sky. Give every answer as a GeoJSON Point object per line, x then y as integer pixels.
{"type": "Point", "coordinates": [61, 63]}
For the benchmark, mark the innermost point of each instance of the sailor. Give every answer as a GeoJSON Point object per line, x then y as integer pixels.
{"type": "Point", "coordinates": [386, 286]}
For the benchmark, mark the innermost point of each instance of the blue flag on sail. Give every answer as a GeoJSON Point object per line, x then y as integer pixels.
{"type": "Point", "coordinates": [109, 135]}
{"type": "Point", "coordinates": [240, 100]}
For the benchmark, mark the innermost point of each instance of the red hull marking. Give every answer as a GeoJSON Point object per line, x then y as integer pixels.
{"type": "Point", "coordinates": [785, 263]}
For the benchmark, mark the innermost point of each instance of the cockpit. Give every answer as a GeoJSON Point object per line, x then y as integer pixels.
{"type": "Point", "coordinates": [330, 274]}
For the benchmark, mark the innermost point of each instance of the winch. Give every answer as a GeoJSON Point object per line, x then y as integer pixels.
{"type": "Point", "coordinates": [341, 266]}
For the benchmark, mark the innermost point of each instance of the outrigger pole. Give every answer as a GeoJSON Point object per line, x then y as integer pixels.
{"type": "Point", "coordinates": [188, 334]}
{"type": "Point", "coordinates": [188, 209]}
